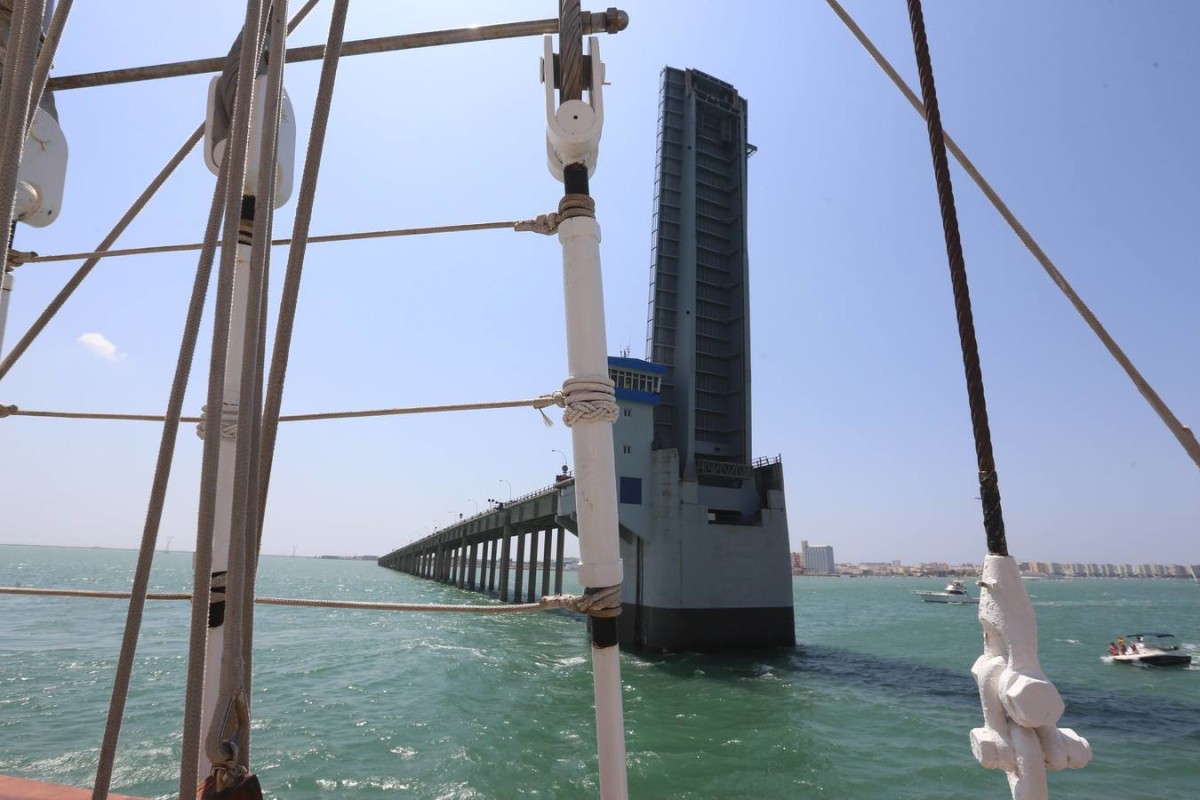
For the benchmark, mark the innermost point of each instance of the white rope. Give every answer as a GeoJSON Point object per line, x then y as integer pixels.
{"type": "Point", "coordinates": [589, 399]}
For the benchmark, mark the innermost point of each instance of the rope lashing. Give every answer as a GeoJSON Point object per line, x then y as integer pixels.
{"type": "Point", "coordinates": [604, 602]}
{"type": "Point", "coordinates": [589, 399]}
{"type": "Point", "coordinates": [229, 418]}
{"type": "Point", "coordinates": [572, 205]}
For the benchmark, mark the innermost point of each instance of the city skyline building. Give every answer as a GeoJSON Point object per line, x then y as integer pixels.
{"type": "Point", "coordinates": [817, 560]}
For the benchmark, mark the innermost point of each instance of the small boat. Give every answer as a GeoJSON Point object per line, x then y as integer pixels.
{"type": "Point", "coordinates": [955, 592]}
{"type": "Point", "coordinates": [1150, 649]}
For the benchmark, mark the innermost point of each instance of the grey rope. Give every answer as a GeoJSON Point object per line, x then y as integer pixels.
{"type": "Point", "coordinates": [162, 473]}
{"type": "Point", "coordinates": [240, 637]}
{"type": "Point", "coordinates": [229, 698]}
{"type": "Point", "coordinates": [19, 62]}
{"type": "Point", "coordinates": [229, 418]}
{"type": "Point", "coordinates": [17, 258]}
{"type": "Point", "coordinates": [158, 492]}
{"type": "Point", "coordinates": [1183, 434]}
{"type": "Point", "coordinates": [609, 21]}
{"type": "Point", "coordinates": [45, 59]}
{"type": "Point", "coordinates": [135, 209]}
{"type": "Point", "coordinates": [295, 265]}
{"type": "Point", "coordinates": [604, 603]}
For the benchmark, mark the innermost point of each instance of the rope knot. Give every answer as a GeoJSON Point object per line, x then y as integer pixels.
{"type": "Point", "coordinates": [544, 224]}
{"type": "Point", "coordinates": [229, 417]}
{"type": "Point", "coordinates": [576, 205]}
{"type": "Point", "coordinates": [544, 400]}
{"type": "Point", "coordinates": [604, 602]}
{"type": "Point", "coordinates": [589, 399]}
{"type": "Point", "coordinates": [17, 258]}
{"type": "Point", "coordinates": [572, 205]}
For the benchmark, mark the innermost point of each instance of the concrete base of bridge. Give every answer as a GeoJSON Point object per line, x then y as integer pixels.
{"type": "Point", "coordinates": [706, 629]}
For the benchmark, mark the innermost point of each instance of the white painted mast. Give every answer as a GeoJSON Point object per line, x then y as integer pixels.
{"type": "Point", "coordinates": [572, 141]}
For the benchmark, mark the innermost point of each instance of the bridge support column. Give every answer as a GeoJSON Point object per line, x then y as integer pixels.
{"type": "Point", "coordinates": [505, 563]}
{"type": "Point", "coordinates": [493, 557]}
{"type": "Point", "coordinates": [533, 564]}
{"type": "Point", "coordinates": [546, 563]}
{"type": "Point", "coordinates": [558, 562]}
{"type": "Point", "coordinates": [519, 583]}
{"type": "Point", "coordinates": [462, 563]}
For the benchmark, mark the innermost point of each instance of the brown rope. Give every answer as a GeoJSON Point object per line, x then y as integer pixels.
{"type": "Point", "coordinates": [989, 485]}
{"type": "Point", "coordinates": [600, 604]}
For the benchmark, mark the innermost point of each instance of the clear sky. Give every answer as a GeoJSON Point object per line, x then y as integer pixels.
{"type": "Point", "coordinates": [1084, 115]}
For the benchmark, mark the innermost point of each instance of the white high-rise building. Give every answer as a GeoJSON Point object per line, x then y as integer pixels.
{"type": "Point", "coordinates": [817, 560]}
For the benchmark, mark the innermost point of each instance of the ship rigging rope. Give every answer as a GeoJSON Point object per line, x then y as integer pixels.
{"type": "Point", "coordinates": [989, 485]}
{"type": "Point", "coordinates": [610, 21]}
{"type": "Point", "coordinates": [604, 603]}
{"type": "Point", "coordinates": [20, 60]}
{"type": "Point", "coordinates": [41, 72]}
{"type": "Point", "coordinates": [540, 402]}
{"type": "Point", "coordinates": [1183, 434]}
{"type": "Point", "coordinates": [18, 258]}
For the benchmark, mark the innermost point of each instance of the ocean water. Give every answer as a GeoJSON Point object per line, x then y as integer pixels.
{"type": "Point", "coordinates": [875, 702]}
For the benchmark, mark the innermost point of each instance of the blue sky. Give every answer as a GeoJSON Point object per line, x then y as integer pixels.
{"type": "Point", "coordinates": [1084, 115]}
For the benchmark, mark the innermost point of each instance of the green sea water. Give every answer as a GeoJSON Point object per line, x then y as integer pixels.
{"type": "Point", "coordinates": [876, 700]}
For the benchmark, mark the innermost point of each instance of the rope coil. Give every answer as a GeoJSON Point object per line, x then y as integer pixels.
{"type": "Point", "coordinates": [589, 399]}
{"type": "Point", "coordinates": [572, 205]}
{"type": "Point", "coordinates": [229, 418]}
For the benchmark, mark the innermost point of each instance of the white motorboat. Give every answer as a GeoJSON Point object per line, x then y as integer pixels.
{"type": "Point", "coordinates": [955, 592]}
{"type": "Point", "coordinates": [1148, 649]}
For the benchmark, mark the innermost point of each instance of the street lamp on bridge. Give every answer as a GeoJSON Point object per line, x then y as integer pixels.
{"type": "Point", "coordinates": [502, 480]}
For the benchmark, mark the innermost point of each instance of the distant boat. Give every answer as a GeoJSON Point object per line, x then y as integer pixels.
{"type": "Point", "coordinates": [1149, 649]}
{"type": "Point", "coordinates": [955, 592]}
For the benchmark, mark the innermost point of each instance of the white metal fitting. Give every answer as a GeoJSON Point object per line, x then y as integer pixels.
{"type": "Point", "coordinates": [285, 151]}
{"type": "Point", "coordinates": [573, 129]}
{"type": "Point", "coordinates": [1021, 707]}
{"type": "Point", "coordinates": [43, 172]}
